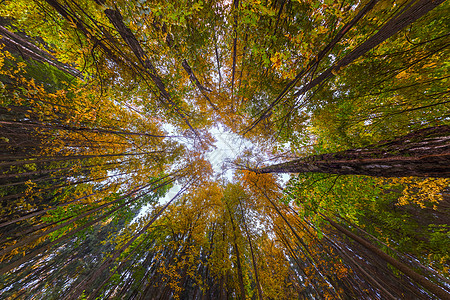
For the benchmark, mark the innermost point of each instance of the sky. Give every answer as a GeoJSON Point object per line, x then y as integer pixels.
{"type": "Point", "coordinates": [228, 147]}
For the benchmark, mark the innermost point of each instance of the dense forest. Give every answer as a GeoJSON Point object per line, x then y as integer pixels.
{"type": "Point", "coordinates": [116, 118]}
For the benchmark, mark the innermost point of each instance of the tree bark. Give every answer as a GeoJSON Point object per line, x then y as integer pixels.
{"type": "Point", "coordinates": [423, 153]}
{"type": "Point", "coordinates": [405, 17]}
{"type": "Point", "coordinates": [78, 290]}
{"type": "Point", "coordinates": [115, 17]}
{"type": "Point", "coordinates": [235, 25]}
{"type": "Point", "coordinates": [238, 258]}
{"type": "Point", "coordinates": [430, 286]}
{"type": "Point", "coordinates": [411, 13]}
{"type": "Point", "coordinates": [13, 42]}
{"type": "Point", "coordinates": [255, 268]}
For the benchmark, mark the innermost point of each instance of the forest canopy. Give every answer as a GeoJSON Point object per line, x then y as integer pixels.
{"type": "Point", "coordinates": [143, 145]}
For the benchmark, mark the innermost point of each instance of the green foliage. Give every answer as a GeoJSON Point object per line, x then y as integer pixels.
{"type": "Point", "coordinates": [86, 158]}
{"type": "Point", "coordinates": [373, 204]}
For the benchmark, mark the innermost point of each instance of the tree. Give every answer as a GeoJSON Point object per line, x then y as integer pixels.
{"type": "Point", "coordinates": [405, 269]}
{"type": "Point", "coordinates": [421, 153]}
{"type": "Point", "coordinates": [108, 187]}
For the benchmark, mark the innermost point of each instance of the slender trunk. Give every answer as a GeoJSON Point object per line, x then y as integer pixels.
{"type": "Point", "coordinates": [76, 292]}
{"type": "Point", "coordinates": [343, 254]}
{"type": "Point", "coordinates": [404, 18]}
{"type": "Point", "coordinates": [411, 260]}
{"type": "Point", "coordinates": [37, 159]}
{"type": "Point", "coordinates": [119, 267]}
{"type": "Point", "coordinates": [423, 153]}
{"type": "Point", "coordinates": [9, 221]}
{"type": "Point", "coordinates": [41, 250]}
{"type": "Point", "coordinates": [197, 83]}
{"type": "Point", "coordinates": [127, 35]}
{"type": "Point", "coordinates": [238, 258]}
{"type": "Point", "coordinates": [31, 238]}
{"type": "Point", "coordinates": [42, 172]}
{"type": "Point", "coordinates": [15, 43]}
{"type": "Point", "coordinates": [314, 63]}
{"type": "Point", "coordinates": [75, 129]}
{"type": "Point", "coordinates": [59, 186]}
{"type": "Point", "coordinates": [217, 60]}
{"type": "Point", "coordinates": [255, 269]}
{"type": "Point", "coordinates": [233, 68]}
{"type": "Point", "coordinates": [305, 249]}
{"type": "Point", "coordinates": [294, 256]}
{"type": "Point", "coordinates": [419, 279]}
{"type": "Point", "coordinates": [87, 32]}
{"type": "Point", "coordinates": [170, 43]}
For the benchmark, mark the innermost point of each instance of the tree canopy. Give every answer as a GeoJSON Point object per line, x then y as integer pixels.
{"type": "Point", "coordinates": [117, 118]}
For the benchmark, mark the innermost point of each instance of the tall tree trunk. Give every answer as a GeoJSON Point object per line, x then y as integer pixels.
{"type": "Point", "coordinates": [409, 14]}
{"type": "Point", "coordinates": [423, 153]}
{"type": "Point", "coordinates": [115, 17]}
{"type": "Point", "coordinates": [15, 43]}
{"type": "Point", "coordinates": [255, 268]}
{"type": "Point", "coordinates": [235, 25]}
{"type": "Point", "coordinates": [77, 291]}
{"type": "Point", "coordinates": [238, 258]}
{"type": "Point", "coordinates": [430, 286]}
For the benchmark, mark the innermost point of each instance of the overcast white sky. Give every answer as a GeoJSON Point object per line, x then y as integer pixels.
{"type": "Point", "coordinates": [228, 147]}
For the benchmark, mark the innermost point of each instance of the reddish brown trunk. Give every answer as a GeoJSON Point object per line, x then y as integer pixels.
{"type": "Point", "coordinates": [127, 35]}
{"type": "Point", "coordinates": [419, 279]}
{"type": "Point", "coordinates": [15, 43]}
{"type": "Point", "coordinates": [255, 269]}
{"type": "Point", "coordinates": [81, 286]}
{"type": "Point", "coordinates": [424, 153]}
{"type": "Point", "coordinates": [405, 17]}
{"type": "Point", "coordinates": [84, 129]}
{"type": "Point", "coordinates": [238, 259]}
{"type": "Point", "coordinates": [408, 15]}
